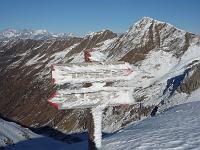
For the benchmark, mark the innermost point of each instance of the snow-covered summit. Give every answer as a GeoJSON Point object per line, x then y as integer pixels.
{"type": "Point", "coordinates": [148, 20]}
{"type": "Point", "coordinates": [148, 34]}
{"type": "Point", "coordinates": [39, 34]}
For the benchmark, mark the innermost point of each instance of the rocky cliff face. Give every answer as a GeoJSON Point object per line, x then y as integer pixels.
{"type": "Point", "coordinates": [158, 50]}
{"type": "Point", "coordinates": [192, 83]}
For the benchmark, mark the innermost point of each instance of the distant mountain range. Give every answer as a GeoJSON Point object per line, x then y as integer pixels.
{"type": "Point", "coordinates": [31, 34]}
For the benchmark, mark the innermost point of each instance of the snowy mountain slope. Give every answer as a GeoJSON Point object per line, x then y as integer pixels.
{"type": "Point", "coordinates": [157, 62]}
{"type": "Point", "coordinates": [11, 133]}
{"type": "Point", "coordinates": [177, 128]}
{"type": "Point", "coordinates": [152, 79]}
{"type": "Point", "coordinates": [15, 137]}
{"type": "Point", "coordinates": [31, 34]}
{"type": "Point", "coordinates": [158, 51]}
{"type": "Point", "coordinates": [184, 135]}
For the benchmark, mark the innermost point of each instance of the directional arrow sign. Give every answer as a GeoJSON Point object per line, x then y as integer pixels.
{"type": "Point", "coordinates": [91, 72]}
{"type": "Point", "coordinates": [64, 100]}
{"type": "Point", "coordinates": [96, 96]}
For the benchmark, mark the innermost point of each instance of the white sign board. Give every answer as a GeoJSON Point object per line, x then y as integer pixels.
{"type": "Point", "coordinates": [63, 100]}
{"type": "Point", "coordinates": [91, 72]}
{"type": "Point", "coordinates": [97, 95]}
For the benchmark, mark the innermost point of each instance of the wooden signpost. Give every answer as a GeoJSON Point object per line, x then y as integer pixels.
{"type": "Point", "coordinates": [89, 89]}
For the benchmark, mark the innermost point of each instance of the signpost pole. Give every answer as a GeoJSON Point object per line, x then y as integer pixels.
{"type": "Point", "coordinates": [90, 128]}
{"type": "Point", "coordinates": [92, 95]}
{"type": "Point", "coordinates": [90, 121]}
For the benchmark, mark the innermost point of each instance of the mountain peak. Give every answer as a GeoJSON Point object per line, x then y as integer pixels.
{"type": "Point", "coordinates": [148, 21]}
{"type": "Point", "coordinates": [148, 34]}
{"type": "Point", "coordinates": [147, 18]}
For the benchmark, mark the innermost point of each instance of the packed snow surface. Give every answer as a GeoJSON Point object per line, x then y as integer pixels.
{"type": "Point", "coordinates": [177, 128]}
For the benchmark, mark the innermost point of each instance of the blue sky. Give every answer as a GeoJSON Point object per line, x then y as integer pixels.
{"type": "Point", "coordinates": [81, 16]}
